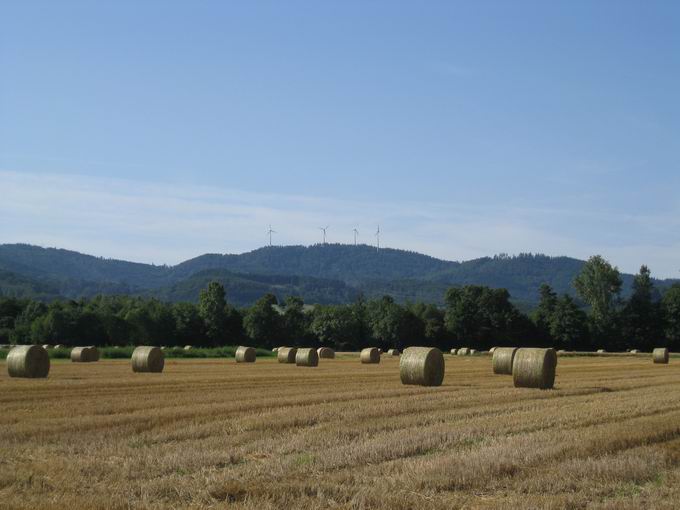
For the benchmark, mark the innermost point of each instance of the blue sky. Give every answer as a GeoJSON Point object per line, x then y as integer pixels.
{"type": "Point", "coordinates": [159, 130]}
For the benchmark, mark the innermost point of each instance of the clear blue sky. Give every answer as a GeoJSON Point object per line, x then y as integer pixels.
{"type": "Point", "coordinates": [158, 130]}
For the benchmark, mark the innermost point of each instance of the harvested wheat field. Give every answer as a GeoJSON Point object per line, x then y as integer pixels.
{"type": "Point", "coordinates": [214, 433]}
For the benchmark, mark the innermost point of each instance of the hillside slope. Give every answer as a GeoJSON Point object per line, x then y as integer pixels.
{"type": "Point", "coordinates": [18, 286]}
{"type": "Point", "coordinates": [244, 289]}
{"type": "Point", "coordinates": [59, 264]}
{"type": "Point", "coordinates": [348, 263]}
{"type": "Point", "coordinates": [321, 273]}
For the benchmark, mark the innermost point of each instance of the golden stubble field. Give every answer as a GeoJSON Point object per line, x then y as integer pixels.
{"type": "Point", "coordinates": [214, 434]}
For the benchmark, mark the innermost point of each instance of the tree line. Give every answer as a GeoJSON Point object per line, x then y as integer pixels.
{"type": "Point", "coordinates": [473, 315]}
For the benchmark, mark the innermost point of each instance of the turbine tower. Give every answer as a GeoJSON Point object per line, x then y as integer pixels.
{"type": "Point", "coordinates": [270, 232]}
{"type": "Point", "coordinates": [377, 236]}
{"type": "Point", "coordinates": [324, 233]}
{"type": "Point", "coordinates": [356, 233]}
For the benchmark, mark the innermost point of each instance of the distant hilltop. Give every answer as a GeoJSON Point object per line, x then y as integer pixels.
{"type": "Point", "coordinates": [322, 273]}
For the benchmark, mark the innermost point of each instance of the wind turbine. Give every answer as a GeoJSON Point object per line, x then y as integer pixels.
{"type": "Point", "coordinates": [356, 233]}
{"type": "Point", "coordinates": [270, 232]}
{"type": "Point", "coordinates": [324, 233]}
{"type": "Point", "coordinates": [377, 236]}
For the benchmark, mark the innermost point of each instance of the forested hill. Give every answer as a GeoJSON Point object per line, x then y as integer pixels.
{"type": "Point", "coordinates": [348, 263]}
{"type": "Point", "coordinates": [244, 289]}
{"type": "Point", "coordinates": [16, 285]}
{"type": "Point", "coordinates": [58, 264]}
{"type": "Point", "coordinates": [329, 273]}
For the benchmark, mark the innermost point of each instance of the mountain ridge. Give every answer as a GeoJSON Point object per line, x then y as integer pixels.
{"type": "Point", "coordinates": [327, 273]}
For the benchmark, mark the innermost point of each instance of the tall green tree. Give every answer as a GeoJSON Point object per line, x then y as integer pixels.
{"type": "Point", "coordinates": [162, 323]}
{"type": "Point", "coordinates": [10, 308]}
{"type": "Point", "coordinates": [568, 325]}
{"type": "Point", "coordinates": [189, 324]}
{"type": "Point", "coordinates": [295, 320]}
{"type": "Point", "coordinates": [212, 305]}
{"type": "Point", "coordinates": [432, 324]}
{"type": "Point", "coordinates": [641, 318]}
{"type": "Point", "coordinates": [359, 312]}
{"type": "Point", "coordinates": [262, 323]}
{"type": "Point", "coordinates": [21, 334]}
{"type": "Point", "coordinates": [337, 326]}
{"type": "Point", "coordinates": [599, 285]}
{"type": "Point", "coordinates": [483, 316]}
{"type": "Point", "coordinates": [671, 310]}
{"type": "Point", "coordinates": [542, 314]}
{"type": "Point", "coordinates": [233, 325]}
{"type": "Point", "coordinates": [149, 324]}
{"type": "Point", "coordinates": [116, 329]}
{"type": "Point", "coordinates": [68, 322]}
{"type": "Point", "coordinates": [392, 325]}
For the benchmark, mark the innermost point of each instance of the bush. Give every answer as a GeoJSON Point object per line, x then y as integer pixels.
{"type": "Point", "coordinates": [117, 352]}
{"type": "Point", "coordinates": [64, 353]}
{"type": "Point", "coordinates": [178, 352]}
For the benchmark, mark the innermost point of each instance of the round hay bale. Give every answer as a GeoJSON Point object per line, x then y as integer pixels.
{"type": "Point", "coordinates": [380, 351]}
{"type": "Point", "coordinates": [325, 353]}
{"type": "Point", "coordinates": [473, 352]}
{"type": "Point", "coordinates": [370, 355]}
{"type": "Point", "coordinates": [245, 354]}
{"type": "Point", "coordinates": [60, 346]}
{"type": "Point", "coordinates": [307, 358]}
{"type": "Point", "coordinates": [463, 351]}
{"type": "Point", "coordinates": [502, 360]}
{"type": "Point", "coordinates": [146, 358]}
{"type": "Point", "coordinates": [492, 350]}
{"type": "Point", "coordinates": [84, 354]}
{"type": "Point", "coordinates": [534, 368]}
{"type": "Point", "coordinates": [30, 361]}
{"type": "Point", "coordinates": [423, 366]}
{"type": "Point", "coordinates": [393, 352]}
{"type": "Point", "coordinates": [660, 355]}
{"type": "Point", "coordinates": [635, 351]}
{"type": "Point", "coordinates": [286, 354]}
{"type": "Point", "coordinates": [601, 351]}
{"type": "Point", "coordinates": [188, 347]}
{"type": "Point", "coordinates": [275, 349]}
{"type": "Point", "coordinates": [47, 346]}
{"type": "Point", "coordinates": [454, 352]}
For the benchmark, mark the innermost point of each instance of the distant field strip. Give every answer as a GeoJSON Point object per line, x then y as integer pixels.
{"type": "Point", "coordinates": [210, 433]}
